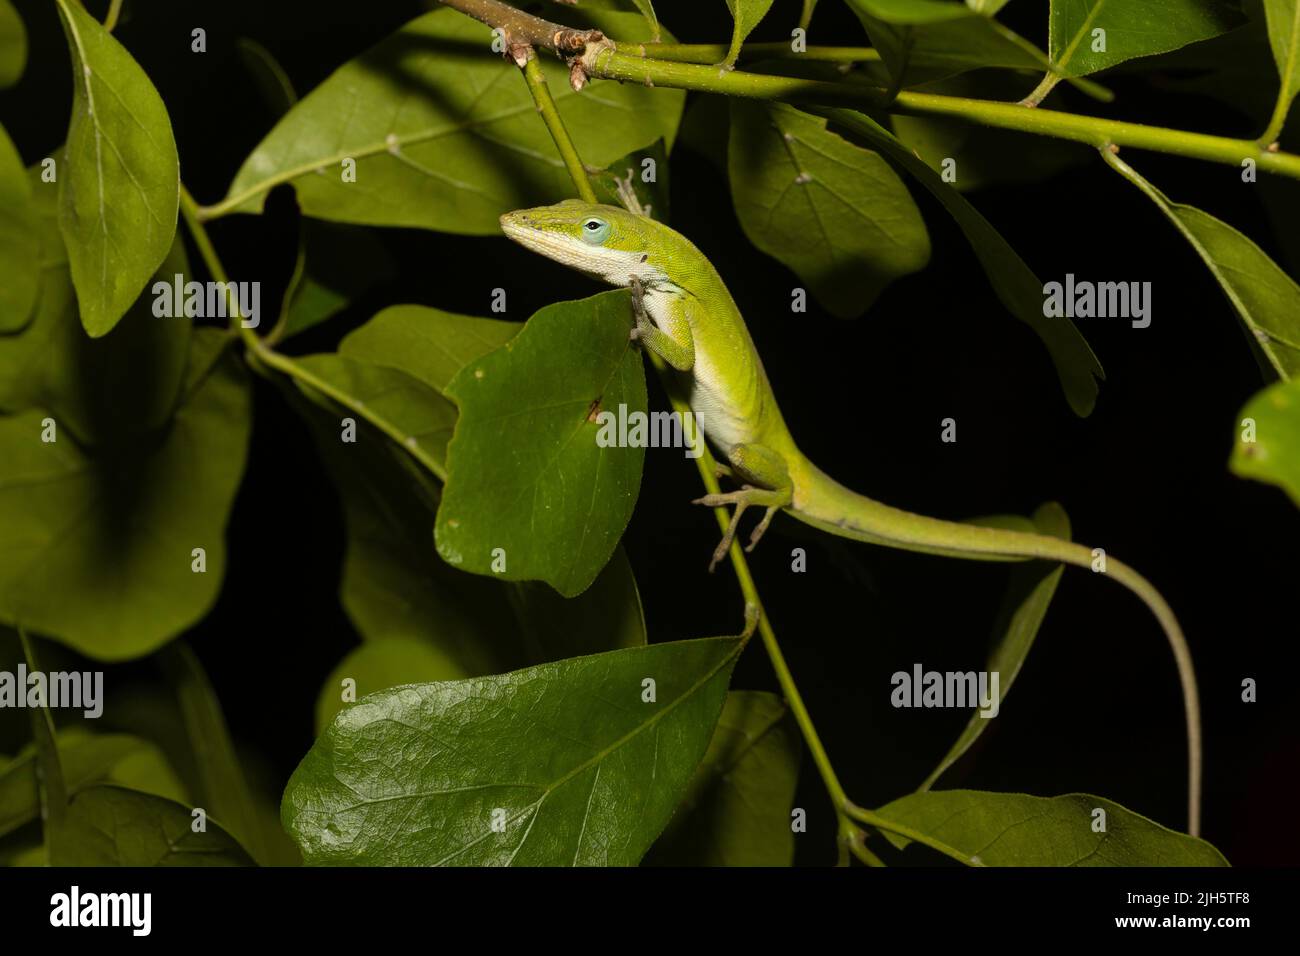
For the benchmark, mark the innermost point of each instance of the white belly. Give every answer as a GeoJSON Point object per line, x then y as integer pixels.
{"type": "Point", "coordinates": [723, 424]}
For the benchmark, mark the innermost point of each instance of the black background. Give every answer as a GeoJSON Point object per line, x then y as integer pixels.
{"type": "Point", "coordinates": [1096, 707]}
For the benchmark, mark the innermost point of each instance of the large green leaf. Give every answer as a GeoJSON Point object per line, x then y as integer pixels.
{"type": "Point", "coordinates": [922, 40]}
{"type": "Point", "coordinates": [85, 758]}
{"type": "Point", "coordinates": [835, 213]}
{"type": "Point", "coordinates": [117, 526]}
{"type": "Point", "coordinates": [430, 344]}
{"type": "Point", "coordinates": [745, 15]}
{"type": "Point", "coordinates": [1130, 29]}
{"type": "Point", "coordinates": [1028, 598]}
{"type": "Point", "coordinates": [736, 811]}
{"type": "Point", "coordinates": [1274, 454]}
{"type": "Point", "coordinates": [444, 133]}
{"type": "Point", "coordinates": [1015, 829]}
{"type": "Point", "coordinates": [20, 257]}
{"type": "Point", "coordinates": [1283, 18]}
{"type": "Point", "coordinates": [570, 761]}
{"type": "Point", "coordinates": [119, 179]}
{"type": "Point", "coordinates": [13, 45]}
{"type": "Point", "coordinates": [1266, 299]}
{"type": "Point", "coordinates": [395, 587]}
{"type": "Point", "coordinates": [527, 481]}
{"type": "Point", "coordinates": [113, 826]}
{"type": "Point", "coordinates": [1013, 281]}
{"type": "Point", "coordinates": [381, 664]}
{"type": "Point", "coordinates": [116, 387]}
{"type": "Point", "coordinates": [223, 788]}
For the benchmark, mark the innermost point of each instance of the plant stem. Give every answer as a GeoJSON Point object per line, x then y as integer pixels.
{"type": "Point", "coordinates": [614, 64]}
{"type": "Point", "coordinates": [1041, 90]}
{"type": "Point", "coordinates": [114, 10]}
{"type": "Point", "coordinates": [711, 53]}
{"type": "Point", "coordinates": [806, 14]}
{"type": "Point", "coordinates": [1278, 120]}
{"type": "Point", "coordinates": [53, 790]}
{"type": "Point", "coordinates": [873, 819]}
{"type": "Point", "coordinates": [262, 356]}
{"type": "Point", "coordinates": [190, 213]}
{"type": "Point", "coordinates": [789, 689]}
{"type": "Point", "coordinates": [559, 133]}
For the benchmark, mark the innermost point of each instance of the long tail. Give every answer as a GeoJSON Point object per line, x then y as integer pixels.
{"type": "Point", "coordinates": [824, 503]}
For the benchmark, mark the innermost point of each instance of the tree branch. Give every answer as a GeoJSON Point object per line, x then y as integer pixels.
{"type": "Point", "coordinates": [521, 27]}
{"type": "Point", "coordinates": [591, 53]}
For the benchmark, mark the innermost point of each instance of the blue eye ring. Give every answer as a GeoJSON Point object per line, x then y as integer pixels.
{"type": "Point", "coordinates": [594, 231]}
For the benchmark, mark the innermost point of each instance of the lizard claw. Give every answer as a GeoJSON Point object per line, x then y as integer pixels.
{"type": "Point", "coordinates": [742, 499]}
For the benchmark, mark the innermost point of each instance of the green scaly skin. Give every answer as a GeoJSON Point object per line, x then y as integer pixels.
{"type": "Point", "coordinates": [685, 314]}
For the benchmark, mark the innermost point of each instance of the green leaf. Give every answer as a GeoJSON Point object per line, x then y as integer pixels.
{"type": "Point", "coordinates": [835, 213]}
{"type": "Point", "coordinates": [20, 258]}
{"type": "Point", "coordinates": [268, 76]}
{"type": "Point", "coordinates": [745, 15]}
{"type": "Point", "coordinates": [562, 11]}
{"type": "Point", "coordinates": [736, 811]}
{"type": "Point", "coordinates": [922, 40]}
{"type": "Point", "coordinates": [119, 179]}
{"type": "Point", "coordinates": [85, 758]}
{"type": "Point", "coordinates": [335, 265]}
{"type": "Point", "coordinates": [1013, 281]}
{"type": "Point", "coordinates": [1028, 597]}
{"type": "Point", "coordinates": [222, 786]}
{"type": "Point", "coordinates": [396, 587]}
{"type": "Point", "coordinates": [1273, 454]}
{"type": "Point", "coordinates": [444, 133]}
{"type": "Point", "coordinates": [1130, 30]}
{"type": "Point", "coordinates": [120, 386]}
{"type": "Point", "coordinates": [648, 11]}
{"type": "Point", "coordinates": [117, 526]}
{"type": "Point", "coordinates": [379, 665]}
{"type": "Point", "coordinates": [1015, 829]}
{"type": "Point", "coordinates": [1283, 18]}
{"type": "Point", "coordinates": [554, 503]}
{"type": "Point", "coordinates": [13, 45]}
{"type": "Point", "coordinates": [1266, 299]}
{"type": "Point", "coordinates": [402, 407]}
{"type": "Point", "coordinates": [113, 826]}
{"type": "Point", "coordinates": [429, 344]}
{"type": "Point", "coordinates": [569, 760]}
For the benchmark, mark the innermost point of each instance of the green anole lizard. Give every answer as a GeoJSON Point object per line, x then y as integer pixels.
{"type": "Point", "coordinates": [685, 314]}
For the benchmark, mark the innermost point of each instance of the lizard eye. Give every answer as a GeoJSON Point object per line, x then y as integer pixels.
{"type": "Point", "coordinates": [594, 231]}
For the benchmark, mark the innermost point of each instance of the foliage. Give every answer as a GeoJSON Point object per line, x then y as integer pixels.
{"type": "Point", "coordinates": [503, 704]}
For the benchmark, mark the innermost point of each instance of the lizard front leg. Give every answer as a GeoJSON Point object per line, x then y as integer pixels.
{"type": "Point", "coordinates": [676, 346]}
{"type": "Point", "coordinates": [767, 484]}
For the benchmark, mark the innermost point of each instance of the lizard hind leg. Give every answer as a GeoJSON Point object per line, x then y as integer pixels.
{"type": "Point", "coordinates": [767, 484]}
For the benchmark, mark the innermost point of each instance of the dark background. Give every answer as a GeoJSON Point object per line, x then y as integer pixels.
{"type": "Point", "coordinates": [1096, 707]}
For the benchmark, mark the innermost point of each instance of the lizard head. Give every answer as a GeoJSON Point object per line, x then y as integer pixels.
{"type": "Point", "coordinates": [605, 242]}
